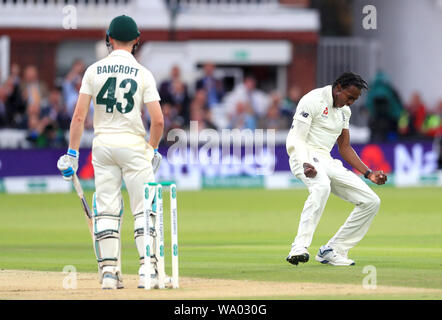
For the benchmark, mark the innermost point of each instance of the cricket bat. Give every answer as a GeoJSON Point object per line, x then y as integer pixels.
{"type": "Point", "coordinates": [86, 208]}
{"type": "Point", "coordinates": [88, 213]}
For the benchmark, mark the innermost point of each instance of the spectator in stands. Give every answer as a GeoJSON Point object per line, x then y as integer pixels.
{"type": "Point", "coordinates": [244, 117]}
{"type": "Point", "coordinates": [180, 100]}
{"type": "Point", "coordinates": [274, 118]}
{"type": "Point", "coordinates": [34, 94]}
{"type": "Point", "coordinates": [200, 112]}
{"type": "Point", "coordinates": [71, 85]}
{"type": "Point", "coordinates": [411, 122]}
{"type": "Point", "coordinates": [71, 88]}
{"type": "Point", "coordinates": [15, 104]}
{"type": "Point", "coordinates": [432, 126]}
{"type": "Point", "coordinates": [247, 93]}
{"type": "Point", "coordinates": [290, 103]}
{"type": "Point", "coordinates": [214, 87]}
{"type": "Point", "coordinates": [385, 107]}
{"type": "Point", "coordinates": [174, 91]}
{"type": "Point", "coordinates": [34, 91]}
{"type": "Point", "coordinates": [51, 137]}
{"type": "Point", "coordinates": [165, 88]}
{"type": "Point", "coordinates": [172, 119]}
{"type": "Point", "coordinates": [56, 110]}
{"type": "Point", "coordinates": [3, 98]}
{"type": "Point", "coordinates": [52, 116]}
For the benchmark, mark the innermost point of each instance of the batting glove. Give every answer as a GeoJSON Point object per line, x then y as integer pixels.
{"type": "Point", "coordinates": [68, 164]}
{"type": "Point", "coordinates": [157, 157]}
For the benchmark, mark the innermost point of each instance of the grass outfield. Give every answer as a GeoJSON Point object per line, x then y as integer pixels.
{"type": "Point", "coordinates": [238, 234]}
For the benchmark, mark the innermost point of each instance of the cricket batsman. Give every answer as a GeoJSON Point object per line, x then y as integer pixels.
{"type": "Point", "coordinates": [119, 87]}
{"type": "Point", "coordinates": [322, 118]}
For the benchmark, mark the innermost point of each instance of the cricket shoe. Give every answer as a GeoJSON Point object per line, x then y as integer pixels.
{"type": "Point", "coordinates": [297, 255]}
{"type": "Point", "coordinates": [111, 281]}
{"type": "Point", "coordinates": [327, 255]}
{"type": "Point", "coordinates": [154, 283]}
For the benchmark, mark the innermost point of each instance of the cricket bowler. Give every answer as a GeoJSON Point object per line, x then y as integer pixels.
{"type": "Point", "coordinates": [322, 118]}
{"type": "Point", "coordinates": [119, 87]}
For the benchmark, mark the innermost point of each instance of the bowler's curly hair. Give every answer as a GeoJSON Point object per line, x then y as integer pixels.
{"type": "Point", "coordinates": [348, 79]}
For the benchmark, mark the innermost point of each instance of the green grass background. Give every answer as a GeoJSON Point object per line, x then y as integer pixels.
{"type": "Point", "coordinates": [238, 234]}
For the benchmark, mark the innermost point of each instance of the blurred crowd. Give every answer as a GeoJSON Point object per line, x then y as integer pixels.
{"type": "Point", "coordinates": [392, 119]}
{"type": "Point", "coordinates": [211, 106]}
{"type": "Point", "coordinates": [27, 103]}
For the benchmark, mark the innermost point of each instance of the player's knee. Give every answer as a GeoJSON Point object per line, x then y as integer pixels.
{"type": "Point", "coordinates": [323, 190]}
{"type": "Point", "coordinates": [377, 201]}
{"type": "Point", "coordinates": [107, 209]}
{"type": "Point", "coordinates": [374, 202]}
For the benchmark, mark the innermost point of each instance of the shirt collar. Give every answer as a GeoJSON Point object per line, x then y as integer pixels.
{"type": "Point", "coordinates": [121, 53]}
{"type": "Point", "coordinates": [328, 95]}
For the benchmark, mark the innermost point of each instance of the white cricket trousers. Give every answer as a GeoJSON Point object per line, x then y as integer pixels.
{"type": "Point", "coordinates": [333, 177]}
{"type": "Point", "coordinates": [112, 165]}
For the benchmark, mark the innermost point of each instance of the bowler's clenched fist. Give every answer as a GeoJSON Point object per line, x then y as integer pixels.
{"type": "Point", "coordinates": [309, 170]}
{"type": "Point", "coordinates": [378, 177]}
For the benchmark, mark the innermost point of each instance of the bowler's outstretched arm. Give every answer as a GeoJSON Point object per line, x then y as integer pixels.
{"type": "Point", "coordinates": [349, 154]}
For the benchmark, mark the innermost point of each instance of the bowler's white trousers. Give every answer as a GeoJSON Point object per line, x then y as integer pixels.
{"type": "Point", "coordinates": [333, 177]}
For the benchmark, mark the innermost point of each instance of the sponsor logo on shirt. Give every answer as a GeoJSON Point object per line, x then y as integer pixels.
{"type": "Point", "coordinates": [304, 114]}
{"type": "Point", "coordinates": [325, 112]}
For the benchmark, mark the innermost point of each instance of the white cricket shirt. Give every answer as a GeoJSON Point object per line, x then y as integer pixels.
{"type": "Point", "coordinates": [119, 87]}
{"type": "Point", "coordinates": [326, 122]}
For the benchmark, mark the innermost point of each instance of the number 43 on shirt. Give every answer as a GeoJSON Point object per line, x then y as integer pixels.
{"type": "Point", "coordinates": [110, 101]}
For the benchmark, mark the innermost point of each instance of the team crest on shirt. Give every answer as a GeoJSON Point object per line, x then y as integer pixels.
{"type": "Point", "coordinates": [325, 112]}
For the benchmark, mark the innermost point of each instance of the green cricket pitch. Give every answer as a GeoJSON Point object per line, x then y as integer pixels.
{"type": "Point", "coordinates": [242, 235]}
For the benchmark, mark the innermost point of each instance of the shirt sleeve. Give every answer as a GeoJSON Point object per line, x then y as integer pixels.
{"type": "Point", "coordinates": [305, 111]}
{"type": "Point", "coordinates": [296, 141]}
{"type": "Point", "coordinates": [86, 82]}
{"type": "Point", "coordinates": [150, 92]}
{"type": "Point", "coordinates": [346, 114]}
